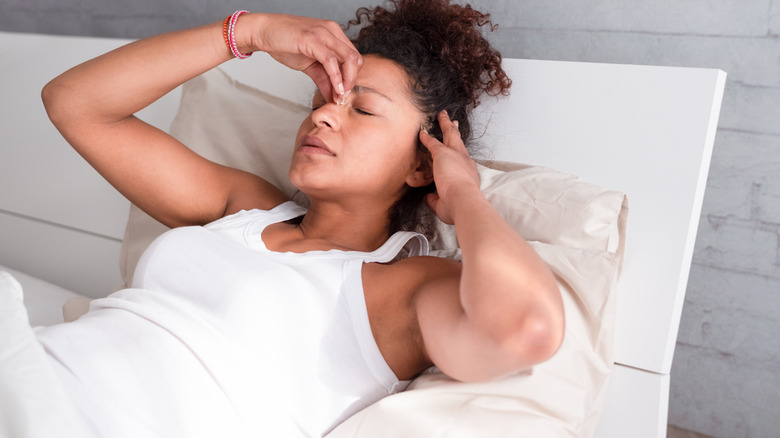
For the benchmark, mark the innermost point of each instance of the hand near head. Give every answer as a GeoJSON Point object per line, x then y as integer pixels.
{"type": "Point", "coordinates": [318, 48]}
{"type": "Point", "coordinates": [454, 172]}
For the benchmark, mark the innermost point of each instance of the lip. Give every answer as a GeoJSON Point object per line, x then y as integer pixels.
{"type": "Point", "coordinates": [313, 145]}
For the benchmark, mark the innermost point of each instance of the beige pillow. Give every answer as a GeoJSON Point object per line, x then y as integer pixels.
{"type": "Point", "coordinates": [578, 228]}
{"type": "Point", "coordinates": [549, 206]}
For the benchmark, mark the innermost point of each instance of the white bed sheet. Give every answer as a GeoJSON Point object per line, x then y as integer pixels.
{"type": "Point", "coordinates": [43, 300]}
{"type": "Point", "coordinates": [29, 386]}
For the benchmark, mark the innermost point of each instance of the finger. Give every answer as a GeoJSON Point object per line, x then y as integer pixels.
{"type": "Point", "coordinates": [332, 68]}
{"type": "Point", "coordinates": [350, 68]}
{"type": "Point", "coordinates": [342, 62]}
{"type": "Point", "coordinates": [448, 127]}
{"type": "Point", "coordinates": [329, 52]}
{"type": "Point", "coordinates": [450, 132]}
{"type": "Point", "coordinates": [342, 76]}
{"type": "Point", "coordinates": [321, 79]}
{"type": "Point", "coordinates": [429, 141]}
{"type": "Point", "coordinates": [350, 59]}
{"type": "Point", "coordinates": [432, 199]}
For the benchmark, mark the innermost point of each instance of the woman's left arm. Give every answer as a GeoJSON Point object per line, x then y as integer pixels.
{"type": "Point", "coordinates": [507, 313]}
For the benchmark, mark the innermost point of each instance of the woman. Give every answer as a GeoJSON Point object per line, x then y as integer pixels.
{"type": "Point", "coordinates": [272, 319]}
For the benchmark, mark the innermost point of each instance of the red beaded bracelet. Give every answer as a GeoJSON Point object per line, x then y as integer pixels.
{"type": "Point", "coordinates": [229, 32]}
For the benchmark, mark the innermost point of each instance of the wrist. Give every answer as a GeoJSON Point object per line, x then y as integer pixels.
{"type": "Point", "coordinates": [238, 32]}
{"type": "Point", "coordinates": [465, 200]}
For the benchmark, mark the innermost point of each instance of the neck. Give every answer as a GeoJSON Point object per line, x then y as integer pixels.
{"type": "Point", "coordinates": [338, 226]}
{"type": "Point", "coordinates": [360, 226]}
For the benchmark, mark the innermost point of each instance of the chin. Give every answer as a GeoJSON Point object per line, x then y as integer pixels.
{"type": "Point", "coordinates": [306, 182]}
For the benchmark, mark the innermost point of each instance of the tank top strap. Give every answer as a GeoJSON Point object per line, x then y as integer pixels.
{"type": "Point", "coordinates": [285, 211]}
{"type": "Point", "coordinates": [418, 246]}
{"type": "Point", "coordinates": [282, 212]}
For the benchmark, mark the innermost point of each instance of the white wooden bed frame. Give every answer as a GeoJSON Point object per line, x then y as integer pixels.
{"type": "Point", "coordinates": [647, 131]}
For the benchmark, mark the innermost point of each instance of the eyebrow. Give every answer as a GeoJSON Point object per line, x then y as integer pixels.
{"type": "Point", "coordinates": [361, 89]}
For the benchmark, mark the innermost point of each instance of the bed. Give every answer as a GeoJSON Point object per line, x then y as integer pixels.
{"type": "Point", "coordinates": [627, 147]}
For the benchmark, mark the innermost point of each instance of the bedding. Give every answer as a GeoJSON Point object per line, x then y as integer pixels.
{"type": "Point", "coordinates": [34, 403]}
{"type": "Point", "coordinates": [578, 228]}
{"type": "Point", "coordinates": [44, 301]}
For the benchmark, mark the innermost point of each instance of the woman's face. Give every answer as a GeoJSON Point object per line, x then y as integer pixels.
{"type": "Point", "coordinates": [366, 147]}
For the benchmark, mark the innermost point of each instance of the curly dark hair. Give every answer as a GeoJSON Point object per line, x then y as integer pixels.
{"type": "Point", "coordinates": [450, 64]}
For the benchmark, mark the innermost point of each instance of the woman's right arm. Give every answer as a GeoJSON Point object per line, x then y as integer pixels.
{"type": "Point", "coordinates": [92, 105]}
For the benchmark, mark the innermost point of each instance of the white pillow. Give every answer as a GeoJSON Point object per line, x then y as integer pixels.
{"type": "Point", "coordinates": [578, 228]}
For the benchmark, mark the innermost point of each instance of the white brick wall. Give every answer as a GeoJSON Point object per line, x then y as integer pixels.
{"type": "Point", "coordinates": [725, 376]}
{"type": "Point", "coordinates": [726, 373]}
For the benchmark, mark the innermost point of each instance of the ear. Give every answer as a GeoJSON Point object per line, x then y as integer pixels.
{"type": "Point", "coordinates": [422, 175]}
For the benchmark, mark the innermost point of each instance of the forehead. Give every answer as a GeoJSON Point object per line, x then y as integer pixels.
{"type": "Point", "coordinates": [385, 77]}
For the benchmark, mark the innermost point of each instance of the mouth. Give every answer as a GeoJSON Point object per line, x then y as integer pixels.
{"type": "Point", "coordinates": [313, 145]}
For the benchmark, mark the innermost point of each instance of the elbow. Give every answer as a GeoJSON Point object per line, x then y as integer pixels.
{"type": "Point", "coordinates": [60, 103]}
{"type": "Point", "coordinates": [541, 337]}
{"type": "Point", "coordinates": [48, 92]}
{"type": "Point", "coordinates": [545, 324]}
{"type": "Point", "coordinates": [536, 337]}
{"type": "Point", "coordinates": [50, 95]}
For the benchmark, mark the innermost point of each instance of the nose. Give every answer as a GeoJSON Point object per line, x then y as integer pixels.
{"type": "Point", "coordinates": [327, 115]}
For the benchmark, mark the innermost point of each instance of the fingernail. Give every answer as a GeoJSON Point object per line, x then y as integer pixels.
{"type": "Point", "coordinates": [341, 89]}
{"type": "Point", "coordinates": [455, 122]}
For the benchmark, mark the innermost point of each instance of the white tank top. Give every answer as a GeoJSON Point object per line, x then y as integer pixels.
{"type": "Point", "coordinates": [220, 336]}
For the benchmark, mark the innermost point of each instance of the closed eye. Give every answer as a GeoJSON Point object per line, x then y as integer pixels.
{"type": "Point", "coordinates": [365, 113]}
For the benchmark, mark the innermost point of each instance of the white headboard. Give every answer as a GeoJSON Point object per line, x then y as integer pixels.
{"type": "Point", "coordinates": [59, 220]}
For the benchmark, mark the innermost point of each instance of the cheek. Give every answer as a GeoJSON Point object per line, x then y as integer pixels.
{"type": "Point", "coordinates": [295, 170]}
{"type": "Point", "coordinates": [303, 128]}
{"type": "Point", "coordinates": [392, 158]}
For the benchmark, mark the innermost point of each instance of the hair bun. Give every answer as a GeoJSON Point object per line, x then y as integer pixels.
{"type": "Point", "coordinates": [451, 34]}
